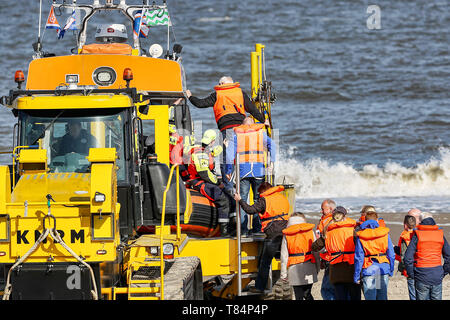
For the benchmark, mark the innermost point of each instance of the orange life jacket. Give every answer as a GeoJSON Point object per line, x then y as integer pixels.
{"type": "Point", "coordinates": [429, 246]}
{"type": "Point", "coordinates": [277, 206]}
{"type": "Point", "coordinates": [322, 223]}
{"type": "Point", "coordinates": [176, 148]}
{"type": "Point", "coordinates": [405, 236]}
{"type": "Point", "coordinates": [339, 241]}
{"type": "Point", "coordinates": [375, 245]}
{"type": "Point", "coordinates": [106, 48]}
{"type": "Point", "coordinates": [250, 146]}
{"type": "Point", "coordinates": [299, 239]}
{"type": "Point", "coordinates": [229, 100]}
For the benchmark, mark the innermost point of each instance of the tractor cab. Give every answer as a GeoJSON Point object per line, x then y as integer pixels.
{"type": "Point", "coordinates": [67, 135]}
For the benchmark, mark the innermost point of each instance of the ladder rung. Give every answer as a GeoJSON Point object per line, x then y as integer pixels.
{"type": "Point", "coordinates": [132, 290]}
{"type": "Point", "coordinates": [249, 275]}
{"type": "Point", "coordinates": [248, 293]}
{"type": "Point", "coordinates": [157, 282]}
{"type": "Point", "coordinates": [143, 298]}
{"type": "Point", "coordinates": [251, 239]}
{"type": "Point", "coordinates": [248, 258]}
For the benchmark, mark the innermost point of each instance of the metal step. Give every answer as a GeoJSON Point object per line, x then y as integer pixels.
{"type": "Point", "coordinates": [249, 275]}
{"type": "Point", "coordinates": [248, 293]}
{"type": "Point", "coordinates": [248, 258]}
{"type": "Point", "coordinates": [253, 238]}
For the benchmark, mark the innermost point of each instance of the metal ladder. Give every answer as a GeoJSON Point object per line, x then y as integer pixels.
{"type": "Point", "coordinates": [239, 239]}
{"type": "Point", "coordinates": [143, 289]}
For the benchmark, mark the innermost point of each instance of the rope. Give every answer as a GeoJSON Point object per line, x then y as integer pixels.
{"type": "Point", "coordinates": [57, 239]}
{"type": "Point", "coordinates": [8, 286]}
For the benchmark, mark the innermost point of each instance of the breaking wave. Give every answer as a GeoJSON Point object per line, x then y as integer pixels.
{"type": "Point", "coordinates": [318, 178]}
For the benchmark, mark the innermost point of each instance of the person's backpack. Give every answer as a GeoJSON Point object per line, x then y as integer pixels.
{"type": "Point", "coordinates": [275, 228]}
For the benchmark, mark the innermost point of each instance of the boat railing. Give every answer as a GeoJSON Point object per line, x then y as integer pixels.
{"type": "Point", "coordinates": [174, 168]}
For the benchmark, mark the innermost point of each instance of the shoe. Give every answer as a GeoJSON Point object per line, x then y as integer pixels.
{"type": "Point", "coordinates": [245, 234]}
{"type": "Point", "coordinates": [224, 231]}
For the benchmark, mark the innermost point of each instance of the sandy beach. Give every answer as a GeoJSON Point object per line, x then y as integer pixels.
{"type": "Point", "coordinates": [397, 289]}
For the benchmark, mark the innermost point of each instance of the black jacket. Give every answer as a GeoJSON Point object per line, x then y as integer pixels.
{"type": "Point", "coordinates": [229, 120]}
{"type": "Point", "coordinates": [258, 207]}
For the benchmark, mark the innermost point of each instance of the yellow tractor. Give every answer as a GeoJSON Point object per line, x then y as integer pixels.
{"type": "Point", "coordinates": [91, 207]}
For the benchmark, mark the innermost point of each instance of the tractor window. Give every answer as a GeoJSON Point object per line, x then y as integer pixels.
{"type": "Point", "coordinates": [67, 136]}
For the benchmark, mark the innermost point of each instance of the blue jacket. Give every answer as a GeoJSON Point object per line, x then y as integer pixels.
{"type": "Point", "coordinates": [430, 275]}
{"type": "Point", "coordinates": [250, 169]}
{"type": "Point", "coordinates": [375, 267]}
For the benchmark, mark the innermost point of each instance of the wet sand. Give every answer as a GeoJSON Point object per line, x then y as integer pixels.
{"type": "Point", "coordinates": [397, 288]}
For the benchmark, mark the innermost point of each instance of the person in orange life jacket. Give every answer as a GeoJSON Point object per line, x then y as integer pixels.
{"type": "Point", "coordinates": [374, 258]}
{"type": "Point", "coordinates": [299, 265]}
{"type": "Point", "coordinates": [423, 259]}
{"type": "Point", "coordinates": [175, 146]}
{"type": "Point", "coordinates": [273, 209]}
{"type": "Point", "coordinates": [327, 289]}
{"type": "Point", "coordinates": [339, 243]}
{"type": "Point", "coordinates": [409, 223]}
{"type": "Point", "coordinates": [230, 103]}
{"type": "Point", "coordinates": [364, 210]}
{"type": "Point", "coordinates": [202, 178]}
{"type": "Point", "coordinates": [250, 142]}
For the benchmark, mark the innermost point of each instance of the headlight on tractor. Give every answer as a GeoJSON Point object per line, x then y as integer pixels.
{"type": "Point", "coordinates": [104, 76]}
{"type": "Point", "coordinates": [167, 249]}
{"type": "Point", "coordinates": [99, 197]}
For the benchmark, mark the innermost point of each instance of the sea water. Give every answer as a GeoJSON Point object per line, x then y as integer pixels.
{"type": "Point", "coordinates": [363, 112]}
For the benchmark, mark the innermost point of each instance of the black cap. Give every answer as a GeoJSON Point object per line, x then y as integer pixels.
{"type": "Point", "coordinates": [340, 209]}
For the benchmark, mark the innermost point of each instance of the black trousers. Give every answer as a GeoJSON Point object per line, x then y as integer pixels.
{"type": "Point", "coordinates": [270, 248]}
{"type": "Point", "coordinates": [303, 292]}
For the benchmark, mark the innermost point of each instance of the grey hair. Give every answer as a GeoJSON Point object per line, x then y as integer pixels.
{"type": "Point", "coordinates": [225, 79]}
{"type": "Point", "coordinates": [424, 215]}
{"type": "Point", "coordinates": [331, 203]}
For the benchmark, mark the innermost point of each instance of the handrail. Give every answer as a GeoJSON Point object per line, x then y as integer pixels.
{"type": "Point", "coordinates": [14, 163]}
{"type": "Point", "coordinates": [163, 216]}
{"type": "Point", "coordinates": [238, 226]}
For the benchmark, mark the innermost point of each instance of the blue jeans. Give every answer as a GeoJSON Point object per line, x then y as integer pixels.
{"type": "Point", "coordinates": [427, 291]}
{"type": "Point", "coordinates": [245, 184]}
{"type": "Point", "coordinates": [227, 183]}
{"type": "Point", "coordinates": [327, 289]}
{"type": "Point", "coordinates": [411, 289]}
{"type": "Point", "coordinates": [347, 291]}
{"type": "Point", "coordinates": [375, 287]}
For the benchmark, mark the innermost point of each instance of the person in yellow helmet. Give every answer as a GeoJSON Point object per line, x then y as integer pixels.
{"type": "Point", "coordinates": [201, 177]}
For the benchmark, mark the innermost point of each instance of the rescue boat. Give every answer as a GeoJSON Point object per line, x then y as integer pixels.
{"type": "Point", "coordinates": [118, 203]}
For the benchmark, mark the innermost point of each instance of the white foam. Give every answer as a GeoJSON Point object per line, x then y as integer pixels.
{"type": "Point", "coordinates": [214, 19]}
{"type": "Point", "coordinates": [317, 178]}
